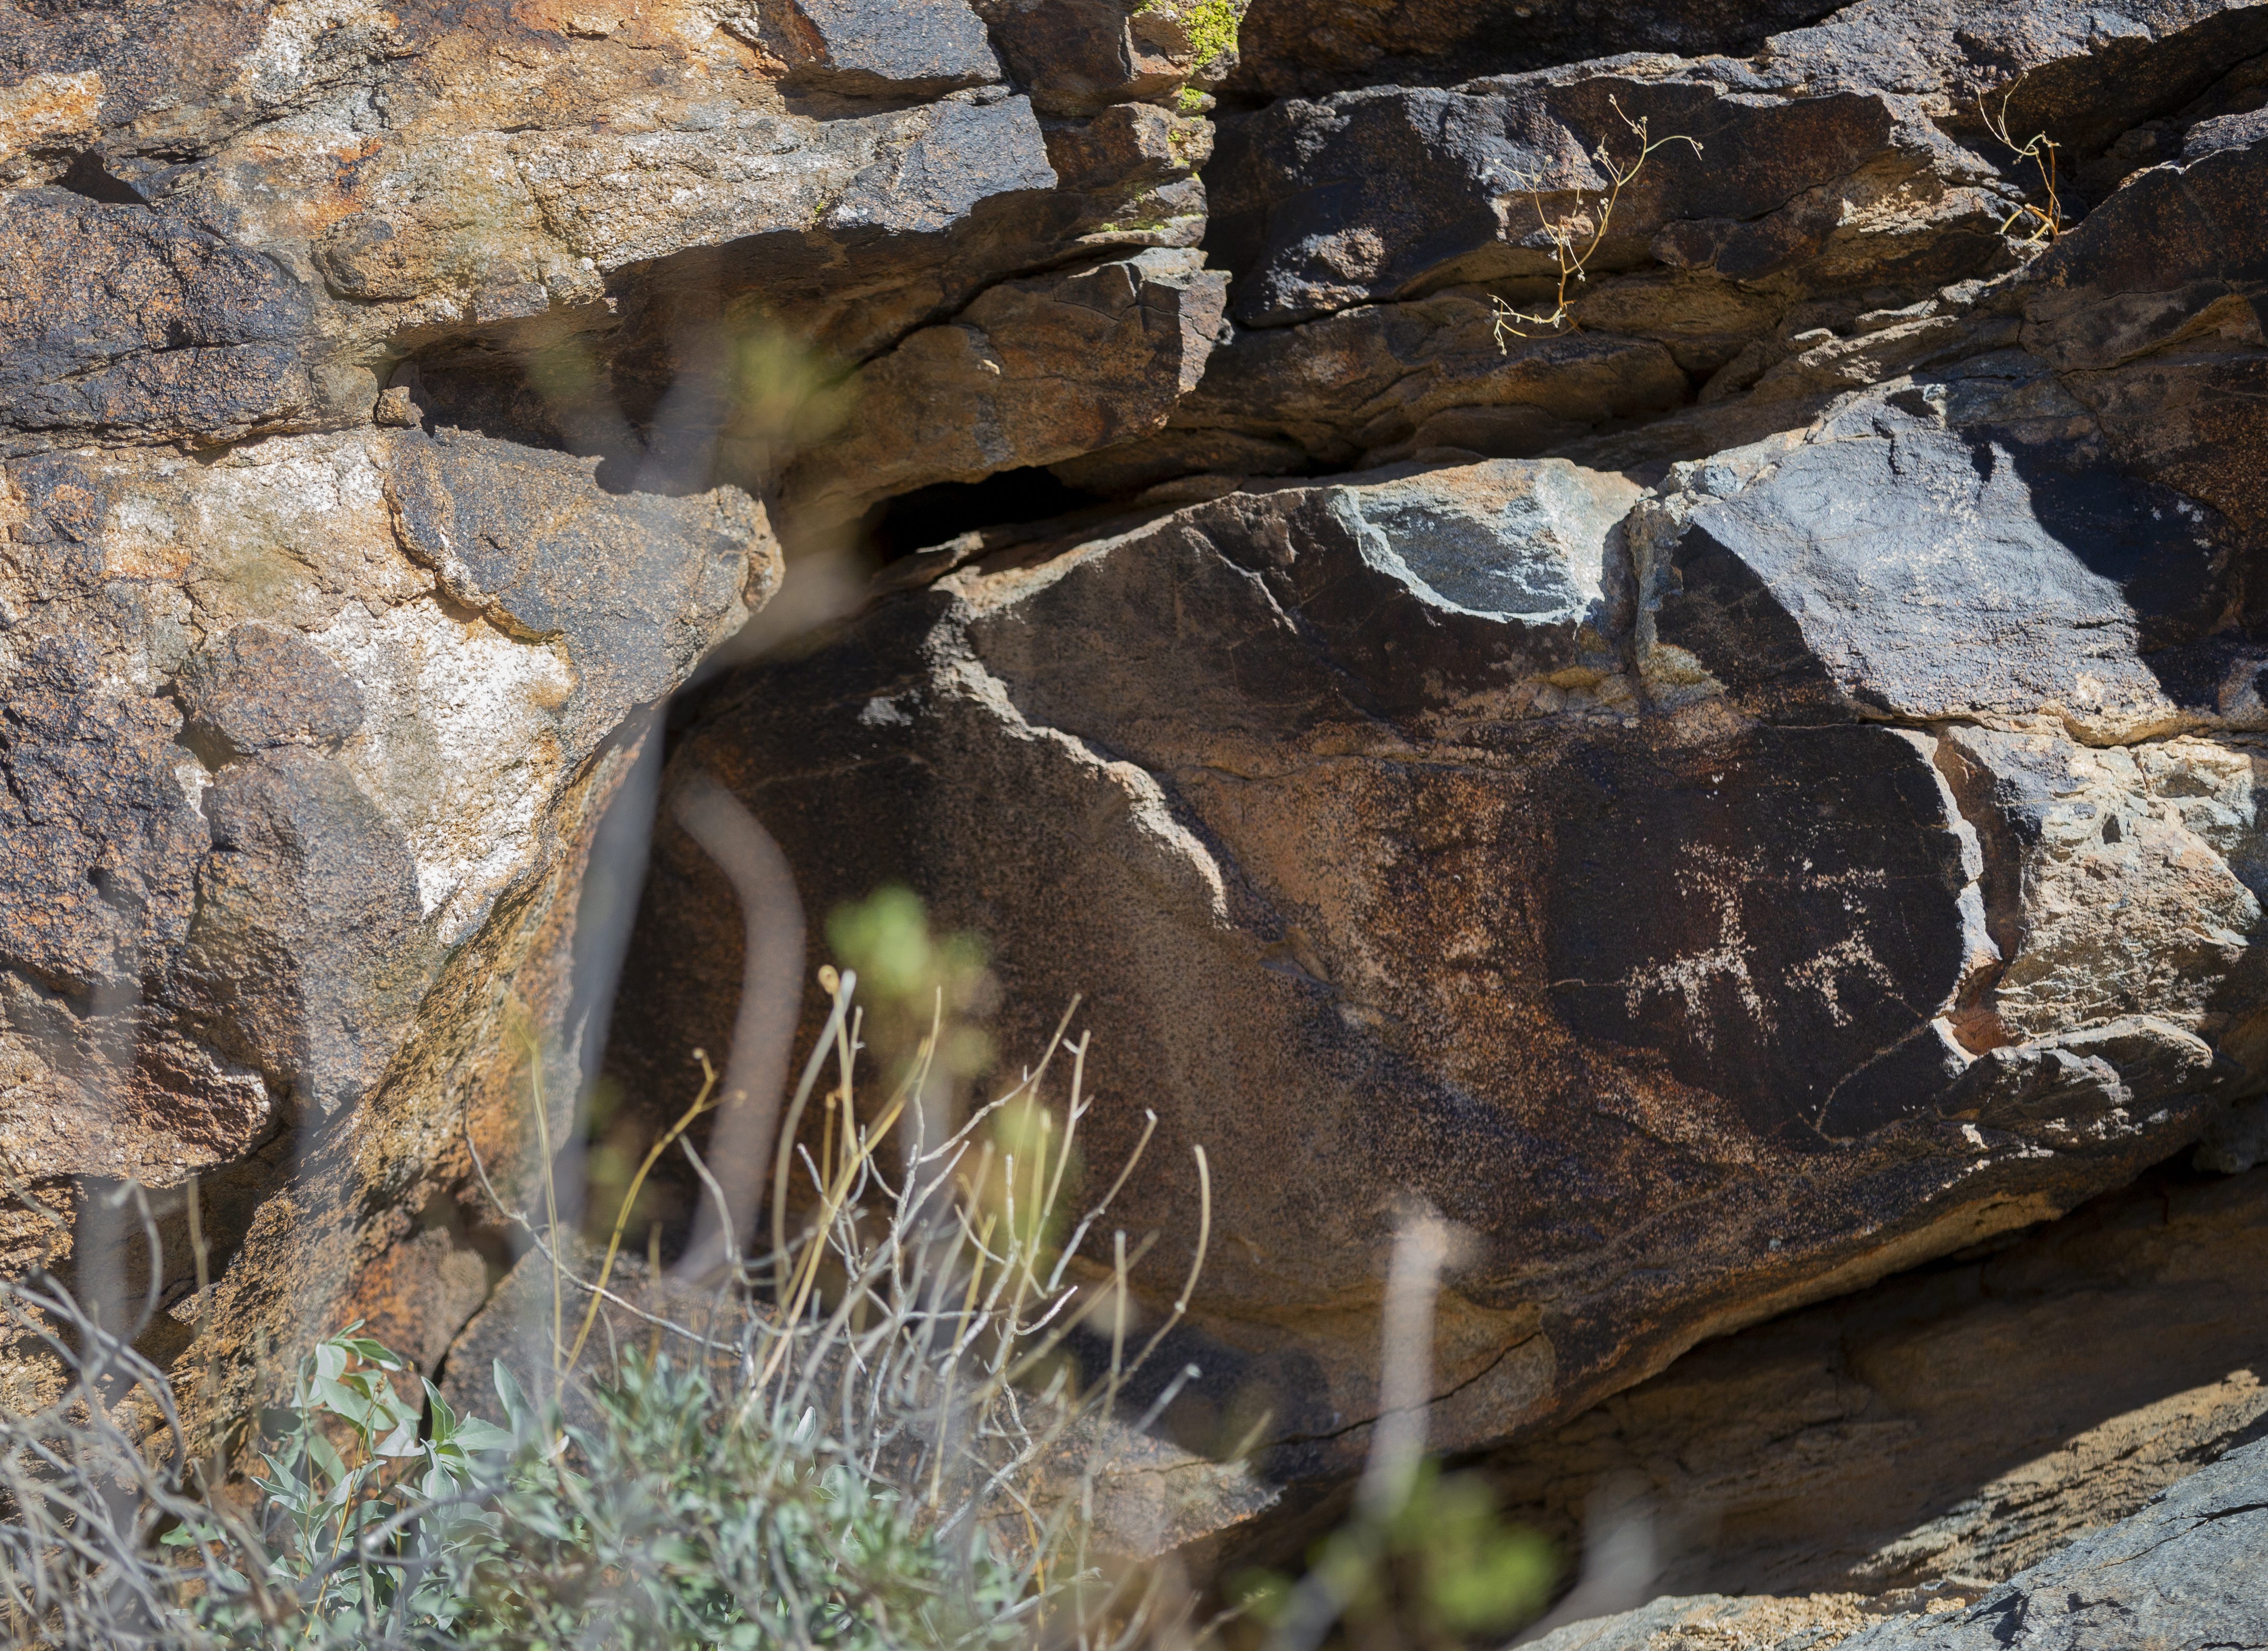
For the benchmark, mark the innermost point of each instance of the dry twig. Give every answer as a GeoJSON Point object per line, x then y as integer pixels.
{"type": "Point", "coordinates": [1570, 248]}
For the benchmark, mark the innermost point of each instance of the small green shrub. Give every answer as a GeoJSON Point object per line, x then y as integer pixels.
{"type": "Point", "coordinates": [889, 1452]}
{"type": "Point", "coordinates": [361, 1520]}
{"type": "Point", "coordinates": [1212, 26]}
{"type": "Point", "coordinates": [885, 1448]}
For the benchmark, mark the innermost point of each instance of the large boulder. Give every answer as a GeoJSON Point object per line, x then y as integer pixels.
{"type": "Point", "coordinates": [1689, 892]}
{"type": "Point", "coordinates": [305, 741]}
{"type": "Point", "coordinates": [387, 399]}
{"type": "Point", "coordinates": [1740, 788]}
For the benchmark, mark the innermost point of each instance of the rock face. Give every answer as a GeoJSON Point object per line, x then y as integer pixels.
{"type": "Point", "coordinates": [1944, 1429]}
{"type": "Point", "coordinates": [1742, 787]}
{"type": "Point", "coordinates": [1738, 791]}
{"type": "Point", "coordinates": [2182, 1572]}
{"type": "Point", "coordinates": [295, 802]}
{"type": "Point", "coordinates": [1032, 372]}
{"type": "Point", "coordinates": [1376, 847]}
{"type": "Point", "coordinates": [383, 436]}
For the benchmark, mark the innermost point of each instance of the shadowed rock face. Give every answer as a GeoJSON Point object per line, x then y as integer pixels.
{"type": "Point", "coordinates": [376, 455]}
{"type": "Point", "coordinates": [1382, 850]}
{"type": "Point", "coordinates": [1775, 916]}
{"type": "Point", "coordinates": [1725, 797]}
{"type": "Point", "coordinates": [1809, 827]}
{"type": "Point", "coordinates": [1946, 1428]}
{"type": "Point", "coordinates": [2178, 1571]}
{"type": "Point", "coordinates": [1032, 372]}
{"type": "Point", "coordinates": [1304, 48]}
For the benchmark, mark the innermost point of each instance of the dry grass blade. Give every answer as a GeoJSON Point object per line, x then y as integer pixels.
{"type": "Point", "coordinates": [883, 1446]}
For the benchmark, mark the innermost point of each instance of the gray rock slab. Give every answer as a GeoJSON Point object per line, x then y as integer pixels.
{"type": "Point", "coordinates": [2187, 1573]}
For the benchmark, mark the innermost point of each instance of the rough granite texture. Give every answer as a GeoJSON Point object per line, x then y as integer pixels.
{"type": "Point", "coordinates": [1945, 1428]}
{"type": "Point", "coordinates": [1748, 789]}
{"type": "Point", "coordinates": [2185, 1570]}
{"type": "Point", "coordinates": [376, 455]}
{"type": "Point", "coordinates": [1726, 798]}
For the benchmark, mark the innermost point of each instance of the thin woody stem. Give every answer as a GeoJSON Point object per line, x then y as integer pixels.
{"type": "Point", "coordinates": [1574, 267]}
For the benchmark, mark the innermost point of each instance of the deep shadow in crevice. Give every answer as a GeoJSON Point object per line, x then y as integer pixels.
{"type": "Point", "coordinates": [1299, 47]}
{"type": "Point", "coordinates": [929, 516]}
{"type": "Point", "coordinates": [110, 1269]}
{"type": "Point", "coordinates": [89, 177]}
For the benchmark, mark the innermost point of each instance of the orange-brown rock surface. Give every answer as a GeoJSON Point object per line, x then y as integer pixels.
{"type": "Point", "coordinates": [374, 458]}
{"type": "Point", "coordinates": [1728, 788]}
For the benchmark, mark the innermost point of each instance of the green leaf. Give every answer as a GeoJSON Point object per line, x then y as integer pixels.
{"type": "Point", "coordinates": [403, 1441]}
{"type": "Point", "coordinates": [445, 1420]}
{"type": "Point", "coordinates": [517, 1410]}
{"type": "Point", "coordinates": [325, 1458]}
{"type": "Point", "coordinates": [475, 1435]}
{"type": "Point", "coordinates": [342, 1400]}
{"type": "Point", "coordinates": [372, 1353]}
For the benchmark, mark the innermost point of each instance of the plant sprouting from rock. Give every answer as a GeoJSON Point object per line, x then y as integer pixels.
{"type": "Point", "coordinates": [1577, 236]}
{"type": "Point", "coordinates": [1208, 28]}
{"type": "Point", "coordinates": [879, 1438]}
{"type": "Point", "coordinates": [2040, 150]}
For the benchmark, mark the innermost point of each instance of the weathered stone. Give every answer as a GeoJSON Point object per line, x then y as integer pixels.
{"type": "Point", "coordinates": [1833, 275]}
{"type": "Point", "coordinates": [1128, 140]}
{"type": "Point", "coordinates": [2119, 882]}
{"type": "Point", "coordinates": [2183, 1571]}
{"type": "Point", "coordinates": [1888, 564]}
{"type": "Point", "coordinates": [636, 587]}
{"type": "Point", "coordinates": [872, 47]}
{"type": "Point", "coordinates": [487, 185]}
{"type": "Point", "coordinates": [2151, 312]}
{"type": "Point", "coordinates": [1345, 805]}
{"type": "Point", "coordinates": [384, 394]}
{"type": "Point", "coordinates": [288, 822]}
{"type": "Point", "coordinates": [1666, 933]}
{"type": "Point", "coordinates": [1380, 195]}
{"type": "Point", "coordinates": [123, 322]}
{"type": "Point", "coordinates": [1081, 55]}
{"type": "Point", "coordinates": [1942, 1430]}
{"type": "Point", "coordinates": [262, 688]}
{"type": "Point", "coordinates": [302, 961]}
{"type": "Point", "coordinates": [1376, 384]}
{"type": "Point", "coordinates": [1792, 815]}
{"type": "Point", "coordinates": [1309, 47]}
{"type": "Point", "coordinates": [1702, 1622]}
{"type": "Point", "coordinates": [1032, 372]}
